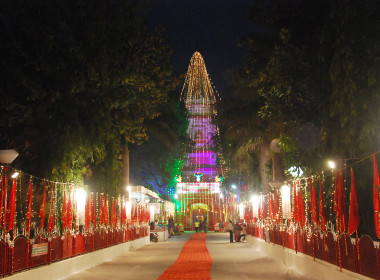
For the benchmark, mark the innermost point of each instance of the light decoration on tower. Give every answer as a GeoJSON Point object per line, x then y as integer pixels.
{"type": "Point", "coordinates": [218, 178]}
{"type": "Point", "coordinates": [197, 82]}
{"type": "Point", "coordinates": [178, 179]}
{"type": "Point", "coordinates": [170, 190]}
{"type": "Point", "coordinates": [198, 177]}
{"type": "Point", "coordinates": [199, 184]}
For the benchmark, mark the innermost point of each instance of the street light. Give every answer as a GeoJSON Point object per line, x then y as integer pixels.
{"type": "Point", "coordinates": [331, 164]}
{"type": "Point", "coordinates": [7, 156]}
{"type": "Point", "coordinates": [233, 186]}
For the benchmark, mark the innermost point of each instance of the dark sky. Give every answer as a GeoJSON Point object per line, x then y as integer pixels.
{"type": "Point", "coordinates": [212, 27]}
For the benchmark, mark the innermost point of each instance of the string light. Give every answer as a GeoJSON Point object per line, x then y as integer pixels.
{"type": "Point", "coordinates": [199, 97]}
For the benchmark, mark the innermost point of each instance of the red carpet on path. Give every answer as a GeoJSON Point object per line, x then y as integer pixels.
{"type": "Point", "coordinates": [194, 261]}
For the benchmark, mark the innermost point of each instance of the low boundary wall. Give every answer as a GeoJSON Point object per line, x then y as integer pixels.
{"type": "Point", "coordinates": [65, 268]}
{"type": "Point", "coordinates": [304, 264]}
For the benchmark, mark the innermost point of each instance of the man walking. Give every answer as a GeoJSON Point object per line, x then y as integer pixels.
{"type": "Point", "coordinates": [205, 225]}
{"type": "Point", "coordinates": [230, 228]}
{"type": "Point", "coordinates": [196, 225]}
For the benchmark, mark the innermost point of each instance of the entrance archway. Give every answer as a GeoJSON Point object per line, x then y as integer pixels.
{"type": "Point", "coordinates": [199, 211]}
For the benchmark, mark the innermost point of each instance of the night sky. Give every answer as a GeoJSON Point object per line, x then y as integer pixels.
{"type": "Point", "coordinates": [212, 27]}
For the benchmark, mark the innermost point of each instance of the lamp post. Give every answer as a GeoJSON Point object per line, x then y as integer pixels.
{"type": "Point", "coordinates": [129, 189]}
{"type": "Point", "coordinates": [7, 156]}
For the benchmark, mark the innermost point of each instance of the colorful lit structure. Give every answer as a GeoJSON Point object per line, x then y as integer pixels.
{"type": "Point", "coordinates": [200, 186]}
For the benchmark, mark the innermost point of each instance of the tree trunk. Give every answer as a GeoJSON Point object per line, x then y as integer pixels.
{"type": "Point", "coordinates": [278, 167]}
{"type": "Point", "coordinates": [264, 160]}
{"type": "Point", "coordinates": [125, 167]}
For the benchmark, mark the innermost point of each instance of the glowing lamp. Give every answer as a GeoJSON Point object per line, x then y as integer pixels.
{"type": "Point", "coordinates": [128, 210]}
{"type": "Point", "coordinates": [80, 195]}
{"type": "Point", "coordinates": [255, 206]}
{"type": "Point", "coordinates": [285, 197]}
{"type": "Point", "coordinates": [7, 156]}
{"type": "Point", "coordinates": [14, 175]}
{"type": "Point", "coordinates": [331, 164]}
{"type": "Point", "coordinates": [241, 211]}
{"type": "Point", "coordinates": [233, 186]}
{"type": "Point", "coordinates": [151, 213]}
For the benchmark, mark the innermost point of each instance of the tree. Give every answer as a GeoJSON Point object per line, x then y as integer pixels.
{"type": "Point", "coordinates": [314, 64]}
{"type": "Point", "coordinates": [316, 74]}
{"type": "Point", "coordinates": [245, 135]}
{"type": "Point", "coordinates": [79, 78]}
{"type": "Point", "coordinates": [158, 161]}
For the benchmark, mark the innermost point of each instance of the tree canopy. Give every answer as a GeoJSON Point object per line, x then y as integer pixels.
{"type": "Point", "coordinates": [312, 70]}
{"type": "Point", "coordinates": [156, 163]}
{"type": "Point", "coordinates": [79, 79]}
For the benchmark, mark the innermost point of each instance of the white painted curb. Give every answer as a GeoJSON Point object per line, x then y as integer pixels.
{"type": "Point", "coordinates": [302, 263]}
{"type": "Point", "coordinates": [65, 268]}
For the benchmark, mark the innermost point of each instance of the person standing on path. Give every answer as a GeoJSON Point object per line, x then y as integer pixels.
{"type": "Point", "coordinates": [205, 225]}
{"type": "Point", "coordinates": [170, 224]}
{"type": "Point", "coordinates": [196, 225]}
{"type": "Point", "coordinates": [221, 229]}
{"type": "Point", "coordinates": [243, 232]}
{"type": "Point", "coordinates": [237, 230]}
{"type": "Point", "coordinates": [230, 228]}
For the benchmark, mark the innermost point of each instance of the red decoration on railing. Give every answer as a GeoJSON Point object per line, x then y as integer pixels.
{"type": "Point", "coordinates": [376, 202]}
{"type": "Point", "coordinates": [29, 210]}
{"type": "Point", "coordinates": [321, 208]}
{"type": "Point", "coordinates": [1, 200]}
{"type": "Point", "coordinates": [113, 214]}
{"type": "Point", "coordinates": [64, 212]}
{"type": "Point", "coordinates": [5, 197]}
{"type": "Point", "coordinates": [106, 211]}
{"type": "Point", "coordinates": [12, 207]}
{"type": "Point", "coordinates": [354, 219]}
{"type": "Point", "coordinates": [340, 204]}
{"type": "Point", "coordinates": [43, 207]}
{"type": "Point", "coordinates": [70, 210]}
{"type": "Point", "coordinates": [313, 204]}
{"type": "Point", "coordinates": [51, 212]}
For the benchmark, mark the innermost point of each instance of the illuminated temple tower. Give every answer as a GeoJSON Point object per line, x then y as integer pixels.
{"type": "Point", "coordinates": [199, 188]}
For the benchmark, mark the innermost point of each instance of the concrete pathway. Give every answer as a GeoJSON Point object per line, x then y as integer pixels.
{"type": "Point", "coordinates": [230, 261]}
{"type": "Point", "coordinates": [242, 261]}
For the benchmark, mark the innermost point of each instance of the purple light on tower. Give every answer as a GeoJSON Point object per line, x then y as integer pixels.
{"type": "Point", "coordinates": [200, 102]}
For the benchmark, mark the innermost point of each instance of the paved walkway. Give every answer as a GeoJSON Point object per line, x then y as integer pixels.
{"type": "Point", "coordinates": [229, 261]}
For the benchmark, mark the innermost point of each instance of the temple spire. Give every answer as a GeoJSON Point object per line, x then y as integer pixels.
{"type": "Point", "coordinates": [197, 83]}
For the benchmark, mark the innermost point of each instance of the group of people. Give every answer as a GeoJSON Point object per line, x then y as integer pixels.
{"type": "Point", "coordinates": [172, 228]}
{"type": "Point", "coordinates": [200, 224]}
{"type": "Point", "coordinates": [239, 230]}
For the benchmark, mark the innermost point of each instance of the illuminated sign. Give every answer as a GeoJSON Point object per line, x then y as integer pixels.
{"type": "Point", "coordinates": [186, 188]}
